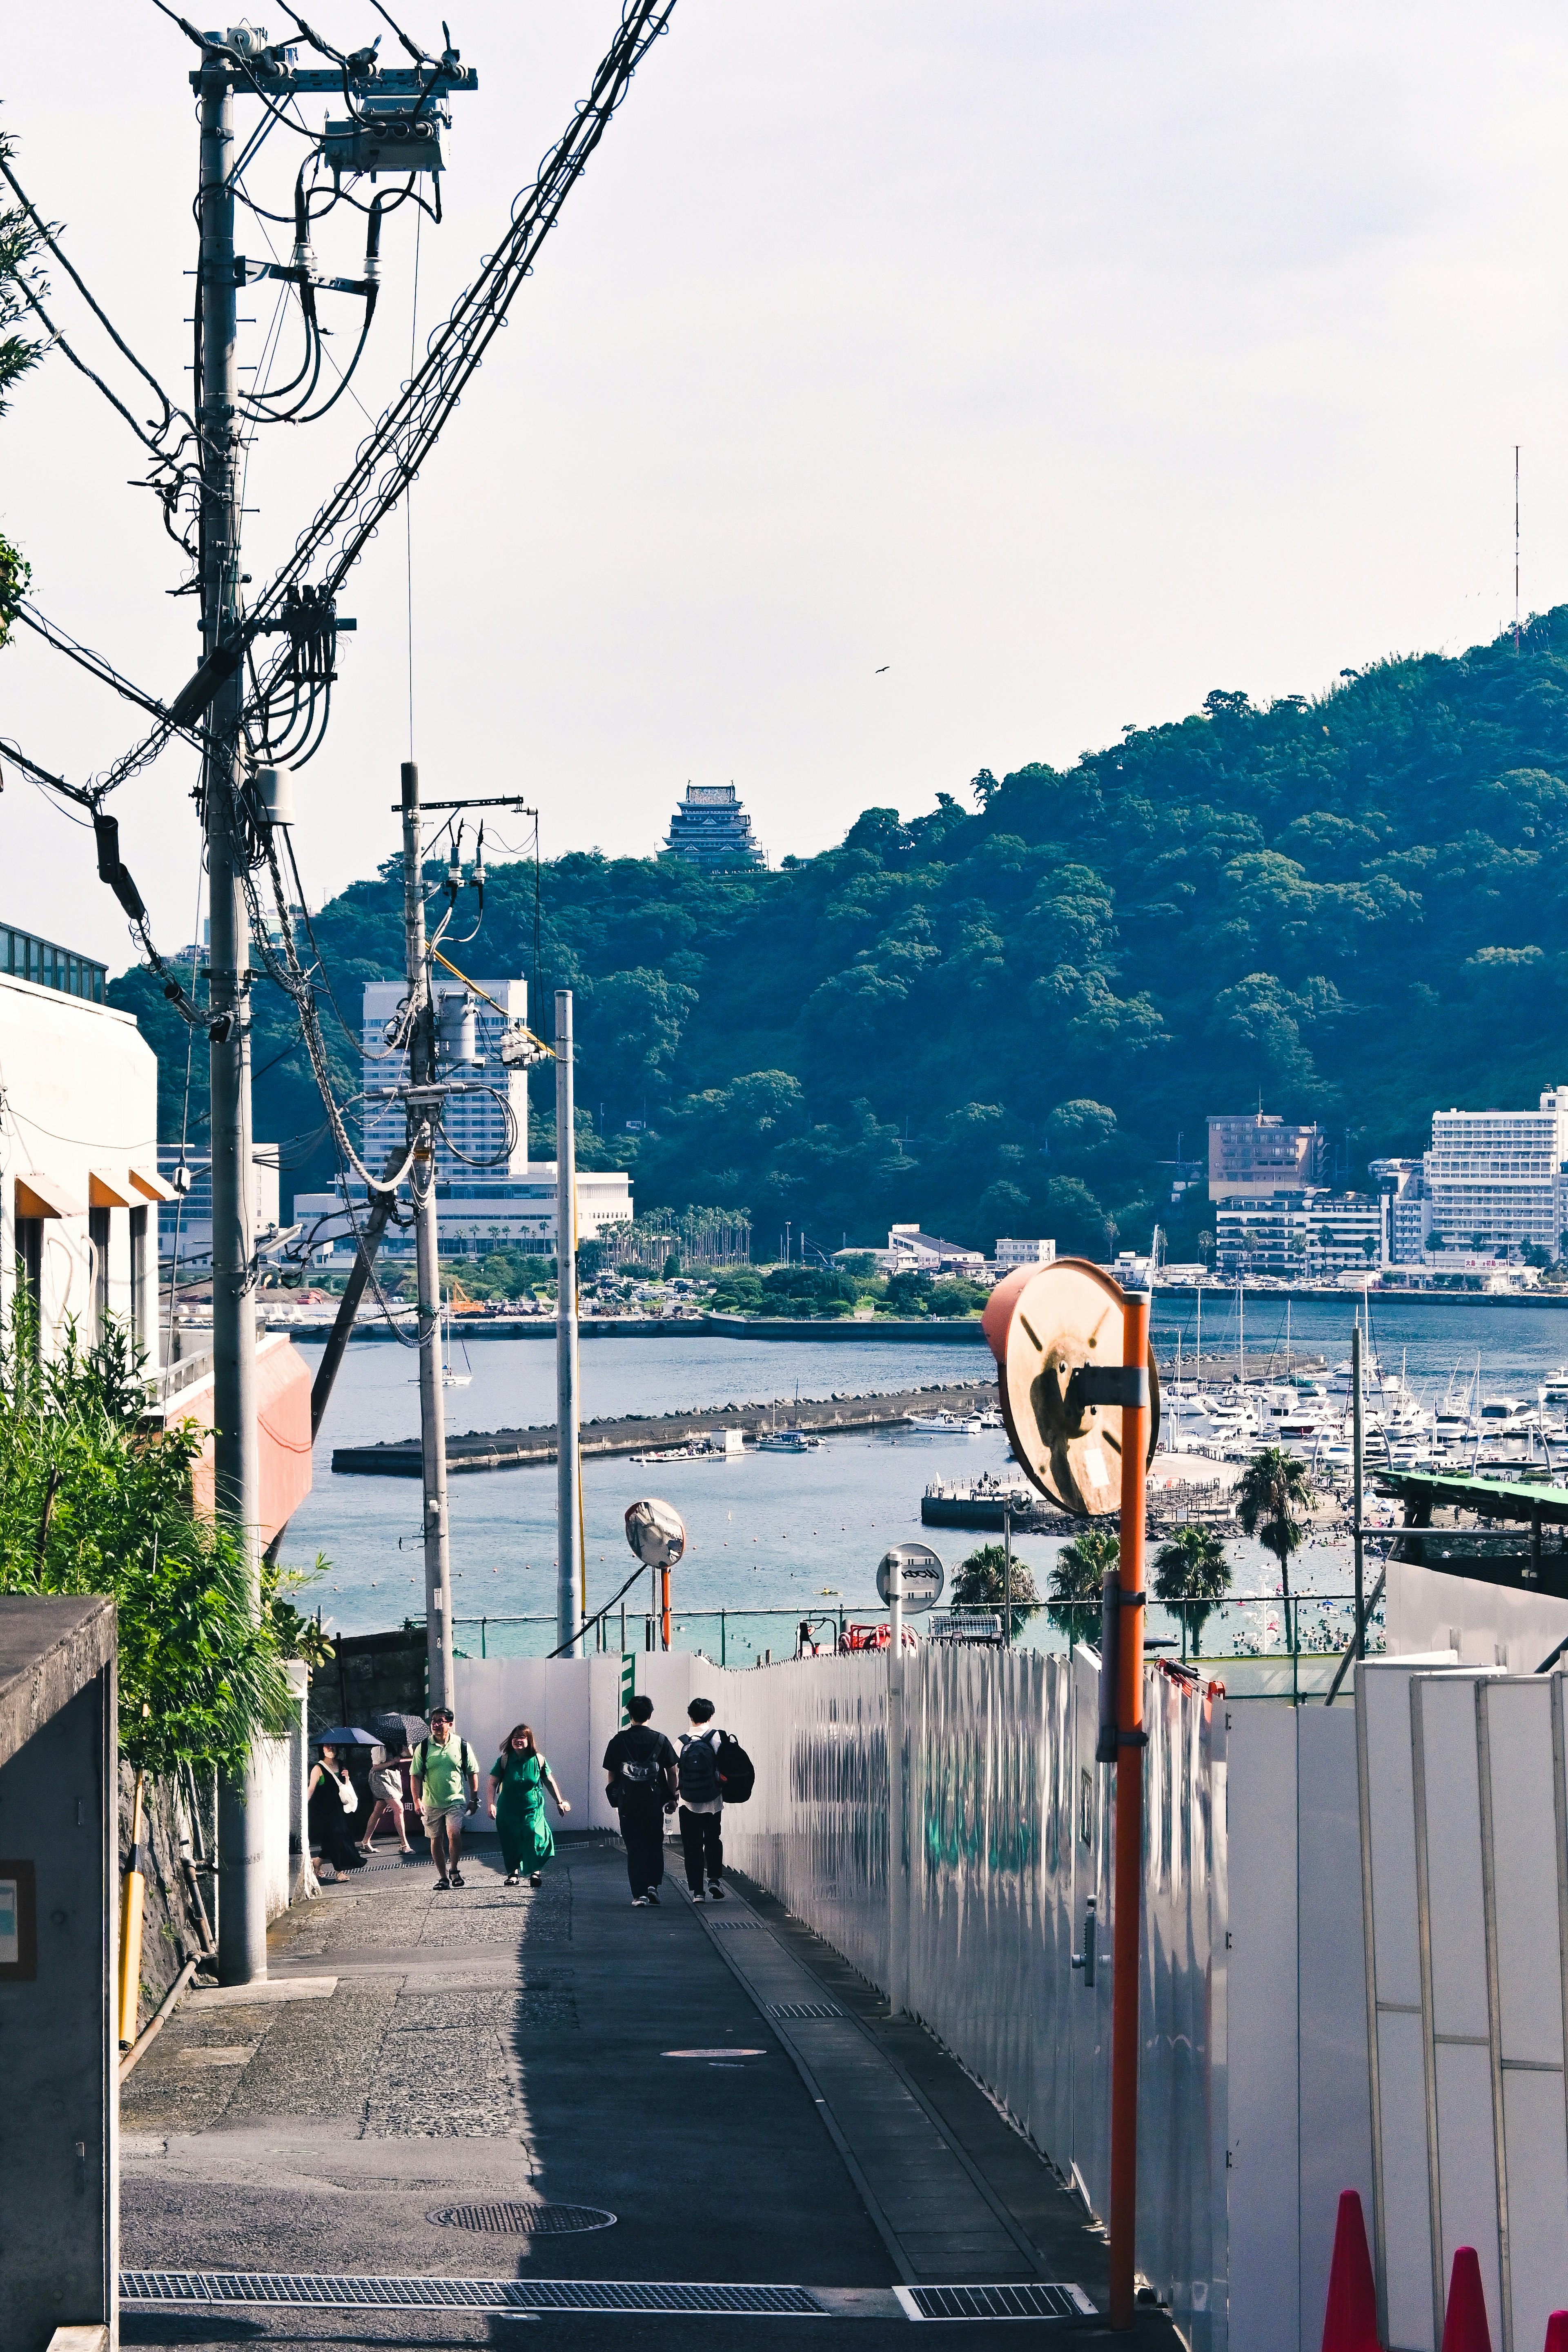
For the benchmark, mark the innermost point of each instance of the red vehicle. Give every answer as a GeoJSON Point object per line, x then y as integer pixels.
{"type": "Point", "coordinates": [873, 1637]}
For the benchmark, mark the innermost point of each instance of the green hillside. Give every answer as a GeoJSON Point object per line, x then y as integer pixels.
{"type": "Point", "coordinates": [999, 1017]}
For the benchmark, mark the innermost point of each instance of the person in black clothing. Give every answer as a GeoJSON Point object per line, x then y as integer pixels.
{"type": "Point", "coordinates": [333, 1802]}
{"type": "Point", "coordinates": [702, 1804]}
{"type": "Point", "coordinates": [639, 1765]}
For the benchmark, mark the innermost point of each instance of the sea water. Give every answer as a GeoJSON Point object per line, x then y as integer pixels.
{"type": "Point", "coordinates": [801, 1534]}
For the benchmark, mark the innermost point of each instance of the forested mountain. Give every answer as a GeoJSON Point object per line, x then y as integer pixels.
{"type": "Point", "coordinates": [999, 1018]}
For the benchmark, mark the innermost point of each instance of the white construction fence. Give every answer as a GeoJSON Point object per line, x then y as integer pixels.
{"type": "Point", "coordinates": [1254, 2104]}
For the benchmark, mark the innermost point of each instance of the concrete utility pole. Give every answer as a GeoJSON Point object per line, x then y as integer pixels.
{"type": "Point", "coordinates": [242, 1901]}
{"type": "Point", "coordinates": [898, 1891]}
{"type": "Point", "coordinates": [571, 1606]}
{"type": "Point", "coordinates": [423, 1113]}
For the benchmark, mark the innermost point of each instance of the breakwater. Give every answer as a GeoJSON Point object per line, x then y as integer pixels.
{"type": "Point", "coordinates": [519, 1449]}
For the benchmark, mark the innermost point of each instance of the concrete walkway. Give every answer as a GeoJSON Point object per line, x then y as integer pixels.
{"type": "Point", "coordinates": [493, 2047]}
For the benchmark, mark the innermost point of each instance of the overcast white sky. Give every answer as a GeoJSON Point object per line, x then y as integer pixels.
{"type": "Point", "coordinates": [1068, 359]}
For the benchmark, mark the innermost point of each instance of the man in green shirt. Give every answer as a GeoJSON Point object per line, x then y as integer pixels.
{"type": "Point", "coordinates": [442, 1765]}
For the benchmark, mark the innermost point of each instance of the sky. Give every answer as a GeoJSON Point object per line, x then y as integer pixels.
{"type": "Point", "coordinates": [906, 390]}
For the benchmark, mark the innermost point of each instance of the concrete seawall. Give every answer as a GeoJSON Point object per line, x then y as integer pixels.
{"type": "Point", "coordinates": [517, 1449]}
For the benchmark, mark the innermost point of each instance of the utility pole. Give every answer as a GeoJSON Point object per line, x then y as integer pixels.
{"type": "Point", "coordinates": [1127, 1925]}
{"type": "Point", "coordinates": [1356, 1458]}
{"type": "Point", "coordinates": [424, 1101]}
{"type": "Point", "coordinates": [570, 1608]}
{"type": "Point", "coordinates": [242, 1897]}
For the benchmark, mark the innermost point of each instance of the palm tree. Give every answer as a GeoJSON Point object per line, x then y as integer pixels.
{"type": "Point", "coordinates": [1076, 1577]}
{"type": "Point", "coordinates": [1191, 1573]}
{"type": "Point", "coordinates": [1272, 1488]}
{"type": "Point", "coordinates": [982, 1583]}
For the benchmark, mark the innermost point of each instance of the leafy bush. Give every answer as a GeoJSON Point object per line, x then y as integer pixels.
{"type": "Point", "coordinates": [90, 1502]}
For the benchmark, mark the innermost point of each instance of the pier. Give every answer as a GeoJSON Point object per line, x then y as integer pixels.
{"type": "Point", "coordinates": [519, 1449]}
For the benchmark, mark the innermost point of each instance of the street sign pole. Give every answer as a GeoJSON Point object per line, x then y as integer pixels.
{"type": "Point", "coordinates": [1131, 1741]}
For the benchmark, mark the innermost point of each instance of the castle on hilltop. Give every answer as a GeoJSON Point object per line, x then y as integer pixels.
{"type": "Point", "coordinates": [709, 828]}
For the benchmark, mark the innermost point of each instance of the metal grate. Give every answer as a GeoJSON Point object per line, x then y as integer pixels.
{"type": "Point", "coordinates": [804, 2009]}
{"type": "Point", "coordinates": [282, 2290]}
{"type": "Point", "coordinates": [729, 1927]}
{"type": "Point", "coordinates": [1027, 2302]}
{"type": "Point", "coordinates": [515, 2218]}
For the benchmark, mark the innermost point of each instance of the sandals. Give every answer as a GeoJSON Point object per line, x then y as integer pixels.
{"type": "Point", "coordinates": [537, 1879]}
{"type": "Point", "coordinates": [512, 1876]}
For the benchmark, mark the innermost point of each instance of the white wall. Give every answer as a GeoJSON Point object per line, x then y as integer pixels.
{"type": "Point", "coordinates": [82, 1093]}
{"type": "Point", "coordinates": [1484, 1625]}
{"type": "Point", "coordinates": [1299, 2111]}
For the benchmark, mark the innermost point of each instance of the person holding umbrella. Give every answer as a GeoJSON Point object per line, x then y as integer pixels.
{"type": "Point", "coordinates": [387, 1786]}
{"type": "Point", "coordinates": [333, 1802]}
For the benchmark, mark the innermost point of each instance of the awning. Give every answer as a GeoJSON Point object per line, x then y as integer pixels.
{"type": "Point", "coordinates": [45, 1196]}
{"type": "Point", "coordinates": [108, 1189]}
{"type": "Point", "coordinates": [151, 1186]}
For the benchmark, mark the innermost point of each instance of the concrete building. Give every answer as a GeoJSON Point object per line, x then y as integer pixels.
{"type": "Point", "coordinates": [1011, 1254]}
{"type": "Point", "coordinates": [1253, 1154]}
{"type": "Point", "coordinates": [185, 1221]}
{"type": "Point", "coordinates": [1497, 1179]}
{"type": "Point", "coordinates": [485, 1131]}
{"type": "Point", "coordinates": [1301, 1236]}
{"type": "Point", "coordinates": [1403, 1185]}
{"type": "Point", "coordinates": [81, 1164]}
{"type": "Point", "coordinates": [490, 1195]}
{"type": "Point", "coordinates": [909, 1250]}
{"type": "Point", "coordinates": [709, 828]}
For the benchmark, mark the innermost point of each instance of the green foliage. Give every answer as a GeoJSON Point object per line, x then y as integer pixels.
{"type": "Point", "coordinates": [1077, 1574]}
{"type": "Point", "coordinates": [1272, 1488]}
{"type": "Point", "coordinates": [1191, 1572]}
{"type": "Point", "coordinates": [982, 1583]}
{"type": "Point", "coordinates": [91, 1503]}
{"type": "Point", "coordinates": [997, 1018]}
{"type": "Point", "coordinates": [19, 243]}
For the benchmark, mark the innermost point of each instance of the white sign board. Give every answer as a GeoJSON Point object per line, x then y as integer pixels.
{"type": "Point", "coordinates": [923, 1575]}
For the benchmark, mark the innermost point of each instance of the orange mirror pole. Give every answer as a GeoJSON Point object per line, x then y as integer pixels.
{"type": "Point", "coordinates": [664, 1601]}
{"type": "Point", "coordinates": [1127, 1963]}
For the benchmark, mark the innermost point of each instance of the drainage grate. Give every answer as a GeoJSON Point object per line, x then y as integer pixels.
{"type": "Point", "coordinates": [282, 2290]}
{"type": "Point", "coordinates": [531, 2218]}
{"type": "Point", "coordinates": [804, 2009]}
{"type": "Point", "coordinates": [729, 1927]}
{"type": "Point", "coordinates": [1029, 2302]}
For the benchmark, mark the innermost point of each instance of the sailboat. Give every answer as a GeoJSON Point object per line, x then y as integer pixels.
{"type": "Point", "coordinates": [451, 1379]}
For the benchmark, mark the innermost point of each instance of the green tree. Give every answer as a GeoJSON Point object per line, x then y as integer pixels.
{"type": "Point", "coordinates": [982, 1583]}
{"type": "Point", "coordinates": [91, 1501]}
{"type": "Point", "coordinates": [1272, 1489]}
{"type": "Point", "coordinates": [18, 244]}
{"type": "Point", "coordinates": [1191, 1573]}
{"type": "Point", "coordinates": [1077, 1575]}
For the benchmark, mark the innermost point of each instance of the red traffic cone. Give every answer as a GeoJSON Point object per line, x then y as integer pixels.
{"type": "Point", "coordinates": [1557, 2332]}
{"type": "Point", "coordinates": [1465, 2326]}
{"type": "Point", "coordinates": [1350, 2322]}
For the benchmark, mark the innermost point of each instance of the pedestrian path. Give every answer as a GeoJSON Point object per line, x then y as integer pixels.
{"type": "Point", "coordinates": [510, 2102]}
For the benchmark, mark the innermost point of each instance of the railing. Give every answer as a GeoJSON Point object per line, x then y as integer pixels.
{"type": "Point", "coordinates": [48, 966]}
{"type": "Point", "coordinates": [1306, 1624]}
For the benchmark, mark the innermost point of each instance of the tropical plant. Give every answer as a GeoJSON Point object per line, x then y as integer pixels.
{"type": "Point", "coordinates": [982, 1583]}
{"type": "Point", "coordinates": [92, 1502]}
{"type": "Point", "coordinates": [1077, 1575]}
{"type": "Point", "coordinates": [1272, 1489]}
{"type": "Point", "coordinates": [1191, 1573]}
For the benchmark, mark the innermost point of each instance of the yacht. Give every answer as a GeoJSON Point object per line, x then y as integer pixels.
{"type": "Point", "coordinates": [943, 1423]}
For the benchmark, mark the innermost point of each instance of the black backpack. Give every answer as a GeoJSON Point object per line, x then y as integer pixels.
{"type": "Point", "coordinates": [639, 1775]}
{"type": "Point", "coordinates": [700, 1768]}
{"type": "Point", "coordinates": [736, 1773]}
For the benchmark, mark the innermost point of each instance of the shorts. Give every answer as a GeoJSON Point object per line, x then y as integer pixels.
{"type": "Point", "coordinates": [454, 1815]}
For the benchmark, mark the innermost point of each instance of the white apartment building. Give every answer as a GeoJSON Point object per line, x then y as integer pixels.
{"type": "Point", "coordinates": [185, 1217]}
{"type": "Point", "coordinates": [489, 1195]}
{"type": "Point", "coordinates": [78, 1149]}
{"type": "Point", "coordinates": [1495, 1180]}
{"type": "Point", "coordinates": [1304, 1234]}
{"type": "Point", "coordinates": [475, 1129]}
{"type": "Point", "coordinates": [1011, 1254]}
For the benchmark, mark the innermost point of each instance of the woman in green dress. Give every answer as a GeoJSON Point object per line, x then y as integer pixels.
{"type": "Point", "coordinates": [519, 1778]}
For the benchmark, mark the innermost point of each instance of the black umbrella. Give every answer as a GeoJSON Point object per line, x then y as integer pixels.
{"type": "Point", "coordinates": [395, 1730]}
{"type": "Point", "coordinates": [344, 1736]}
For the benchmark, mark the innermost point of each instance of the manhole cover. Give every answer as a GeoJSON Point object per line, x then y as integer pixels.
{"type": "Point", "coordinates": [514, 2219]}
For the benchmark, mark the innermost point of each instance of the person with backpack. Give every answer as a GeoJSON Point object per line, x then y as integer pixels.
{"type": "Point", "coordinates": [445, 1790]}
{"type": "Point", "coordinates": [639, 1763]}
{"type": "Point", "coordinates": [702, 1802]}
